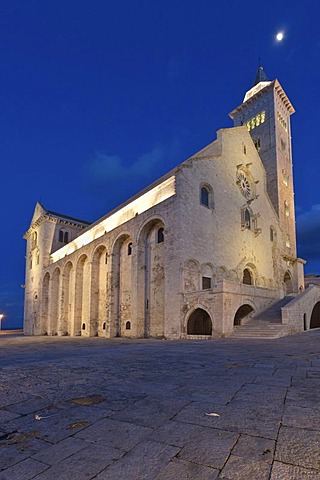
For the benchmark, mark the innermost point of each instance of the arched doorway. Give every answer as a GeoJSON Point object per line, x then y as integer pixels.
{"type": "Point", "coordinates": [199, 323]}
{"type": "Point", "coordinates": [241, 313]}
{"type": "Point", "coordinates": [315, 316]}
{"type": "Point", "coordinates": [288, 283]}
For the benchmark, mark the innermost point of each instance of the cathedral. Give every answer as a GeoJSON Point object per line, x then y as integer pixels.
{"type": "Point", "coordinates": [197, 254]}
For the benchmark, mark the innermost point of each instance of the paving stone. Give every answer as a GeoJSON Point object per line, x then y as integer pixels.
{"type": "Point", "coordinates": [297, 416]}
{"type": "Point", "coordinates": [82, 465]}
{"type": "Point", "coordinates": [211, 449]}
{"type": "Point", "coordinates": [151, 411]}
{"type": "Point", "coordinates": [29, 406]}
{"type": "Point", "coordinates": [142, 462]}
{"type": "Point", "coordinates": [9, 396]}
{"type": "Point", "coordinates": [254, 448]}
{"type": "Point", "coordinates": [267, 394]}
{"type": "Point", "coordinates": [6, 416]}
{"type": "Point", "coordinates": [176, 433]}
{"type": "Point", "coordinates": [58, 452]}
{"type": "Point", "coordinates": [25, 470]}
{"type": "Point", "coordinates": [298, 446]}
{"type": "Point", "coordinates": [239, 468]}
{"type": "Point", "coordinates": [261, 421]}
{"type": "Point", "coordinates": [182, 470]}
{"type": "Point", "coordinates": [118, 434]}
{"type": "Point", "coordinates": [282, 471]}
{"type": "Point", "coordinates": [59, 423]}
{"type": "Point", "coordinates": [18, 447]}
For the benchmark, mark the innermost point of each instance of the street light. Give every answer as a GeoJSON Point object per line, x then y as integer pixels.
{"type": "Point", "coordinates": [1, 317]}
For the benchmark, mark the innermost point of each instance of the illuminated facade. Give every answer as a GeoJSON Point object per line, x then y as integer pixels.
{"type": "Point", "coordinates": [204, 246]}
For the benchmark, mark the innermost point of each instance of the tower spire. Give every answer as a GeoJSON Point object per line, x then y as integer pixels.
{"type": "Point", "coordinates": [260, 76]}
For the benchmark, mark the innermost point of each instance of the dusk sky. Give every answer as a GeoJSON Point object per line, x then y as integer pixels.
{"type": "Point", "coordinates": [100, 98]}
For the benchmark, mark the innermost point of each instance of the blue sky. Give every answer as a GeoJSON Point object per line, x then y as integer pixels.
{"type": "Point", "coordinates": [100, 98]}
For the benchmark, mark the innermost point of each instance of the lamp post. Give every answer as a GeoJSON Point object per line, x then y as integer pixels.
{"type": "Point", "coordinates": [1, 317]}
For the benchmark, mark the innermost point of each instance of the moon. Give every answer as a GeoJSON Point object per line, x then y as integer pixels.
{"type": "Point", "coordinates": [279, 36]}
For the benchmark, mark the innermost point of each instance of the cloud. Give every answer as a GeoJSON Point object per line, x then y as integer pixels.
{"type": "Point", "coordinates": [106, 168]}
{"type": "Point", "coordinates": [308, 236]}
{"type": "Point", "coordinates": [116, 180]}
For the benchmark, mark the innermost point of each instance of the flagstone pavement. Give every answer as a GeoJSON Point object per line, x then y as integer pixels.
{"type": "Point", "coordinates": [94, 408]}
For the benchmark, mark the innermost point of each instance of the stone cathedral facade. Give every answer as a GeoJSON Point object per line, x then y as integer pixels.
{"type": "Point", "coordinates": [192, 255]}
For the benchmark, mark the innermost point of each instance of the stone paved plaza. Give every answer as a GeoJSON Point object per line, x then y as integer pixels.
{"type": "Point", "coordinates": [93, 408]}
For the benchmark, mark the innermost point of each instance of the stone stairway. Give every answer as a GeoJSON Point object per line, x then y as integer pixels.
{"type": "Point", "coordinates": [266, 324]}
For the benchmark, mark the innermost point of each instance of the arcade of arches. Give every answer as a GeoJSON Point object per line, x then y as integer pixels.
{"type": "Point", "coordinates": [93, 294]}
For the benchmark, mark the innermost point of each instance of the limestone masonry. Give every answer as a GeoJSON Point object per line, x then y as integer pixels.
{"type": "Point", "coordinates": [207, 247]}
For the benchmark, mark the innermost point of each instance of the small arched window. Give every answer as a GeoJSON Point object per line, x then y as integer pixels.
{"type": "Point", "coordinates": [245, 218]}
{"type": "Point", "coordinates": [104, 326]}
{"type": "Point", "coordinates": [288, 244]}
{"type": "Point", "coordinates": [63, 236]}
{"type": "Point", "coordinates": [247, 277]}
{"type": "Point", "coordinates": [34, 240]}
{"type": "Point", "coordinates": [106, 259]}
{"type": "Point", "coordinates": [83, 326]}
{"type": "Point", "coordinates": [128, 325]}
{"type": "Point", "coordinates": [272, 234]}
{"type": "Point", "coordinates": [130, 248]}
{"type": "Point", "coordinates": [286, 209]}
{"type": "Point", "coordinates": [160, 235]}
{"type": "Point", "coordinates": [205, 196]}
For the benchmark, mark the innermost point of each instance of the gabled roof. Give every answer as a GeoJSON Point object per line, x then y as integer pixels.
{"type": "Point", "coordinates": [41, 211]}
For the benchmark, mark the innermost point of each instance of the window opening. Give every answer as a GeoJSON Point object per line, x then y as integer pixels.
{"type": "Point", "coordinates": [130, 248]}
{"type": "Point", "coordinates": [256, 142]}
{"type": "Point", "coordinates": [247, 277]}
{"type": "Point", "coordinates": [206, 283]}
{"type": "Point", "coordinates": [205, 196]}
{"type": "Point", "coordinates": [128, 325]}
{"type": "Point", "coordinates": [160, 237]}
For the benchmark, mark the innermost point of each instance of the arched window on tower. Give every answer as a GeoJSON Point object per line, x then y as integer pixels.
{"type": "Point", "coordinates": [288, 245]}
{"type": "Point", "coordinates": [286, 209]}
{"type": "Point", "coordinates": [63, 236]}
{"type": "Point", "coordinates": [160, 235]}
{"type": "Point", "coordinates": [34, 240]}
{"type": "Point", "coordinates": [130, 248]}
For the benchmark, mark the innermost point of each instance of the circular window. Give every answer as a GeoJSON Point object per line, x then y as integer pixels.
{"type": "Point", "coordinates": [244, 184]}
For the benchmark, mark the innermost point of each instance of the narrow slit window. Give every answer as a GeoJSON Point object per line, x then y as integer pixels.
{"type": "Point", "coordinates": [160, 235]}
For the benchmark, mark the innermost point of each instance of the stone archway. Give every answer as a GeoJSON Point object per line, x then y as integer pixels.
{"type": "Point", "coordinates": [288, 283]}
{"type": "Point", "coordinates": [241, 313]}
{"type": "Point", "coordinates": [315, 316]}
{"type": "Point", "coordinates": [199, 323]}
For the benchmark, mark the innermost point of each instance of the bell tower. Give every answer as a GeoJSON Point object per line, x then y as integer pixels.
{"type": "Point", "coordinates": [265, 112]}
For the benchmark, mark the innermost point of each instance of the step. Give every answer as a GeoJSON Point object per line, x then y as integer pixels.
{"type": "Point", "coordinates": [259, 331]}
